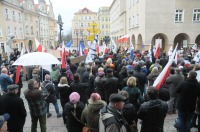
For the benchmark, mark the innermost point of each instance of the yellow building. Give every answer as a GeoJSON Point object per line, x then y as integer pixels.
{"type": "Point", "coordinates": [80, 24]}
{"type": "Point", "coordinates": [104, 23]}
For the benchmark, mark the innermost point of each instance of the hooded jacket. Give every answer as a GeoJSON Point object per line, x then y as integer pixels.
{"type": "Point", "coordinates": [152, 113]}
{"type": "Point", "coordinates": [90, 115]}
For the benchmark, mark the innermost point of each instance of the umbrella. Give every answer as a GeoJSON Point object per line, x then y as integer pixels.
{"type": "Point", "coordinates": [36, 58]}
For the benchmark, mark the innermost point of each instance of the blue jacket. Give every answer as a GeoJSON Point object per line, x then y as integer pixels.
{"type": "Point", "coordinates": [5, 80]}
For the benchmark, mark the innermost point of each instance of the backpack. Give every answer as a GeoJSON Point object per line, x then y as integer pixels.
{"type": "Point", "coordinates": [70, 77]}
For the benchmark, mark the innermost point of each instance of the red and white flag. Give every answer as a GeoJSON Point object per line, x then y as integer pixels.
{"type": "Point", "coordinates": [157, 51]}
{"type": "Point", "coordinates": [39, 46]}
{"type": "Point", "coordinates": [97, 49]}
{"type": "Point", "coordinates": [18, 70]}
{"type": "Point", "coordinates": [176, 57]}
{"type": "Point", "coordinates": [165, 72]}
{"type": "Point", "coordinates": [63, 57]}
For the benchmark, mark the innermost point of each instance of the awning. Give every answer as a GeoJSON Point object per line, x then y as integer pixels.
{"type": "Point", "coordinates": [123, 38]}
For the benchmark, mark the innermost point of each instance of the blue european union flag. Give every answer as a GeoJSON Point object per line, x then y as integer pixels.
{"type": "Point", "coordinates": [69, 44]}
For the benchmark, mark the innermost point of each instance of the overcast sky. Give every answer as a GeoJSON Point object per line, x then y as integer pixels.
{"type": "Point", "coordinates": [67, 8]}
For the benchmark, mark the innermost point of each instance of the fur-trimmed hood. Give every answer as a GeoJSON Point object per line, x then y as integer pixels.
{"type": "Point", "coordinates": [63, 85]}
{"type": "Point", "coordinates": [95, 105]}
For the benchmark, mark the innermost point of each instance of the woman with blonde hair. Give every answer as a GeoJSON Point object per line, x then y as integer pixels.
{"type": "Point", "coordinates": [64, 91]}
{"type": "Point", "coordinates": [153, 75]}
{"type": "Point", "coordinates": [135, 96]}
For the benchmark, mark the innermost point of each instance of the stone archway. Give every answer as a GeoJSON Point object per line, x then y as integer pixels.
{"type": "Point", "coordinates": [180, 39]}
{"type": "Point", "coordinates": [197, 41]}
{"type": "Point", "coordinates": [139, 42]}
{"type": "Point", "coordinates": [133, 40]}
{"type": "Point", "coordinates": [30, 45]}
{"type": "Point", "coordinates": [164, 39]}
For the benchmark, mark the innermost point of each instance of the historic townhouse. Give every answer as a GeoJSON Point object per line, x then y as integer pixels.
{"type": "Point", "coordinates": [2, 29]}
{"type": "Point", "coordinates": [80, 24]}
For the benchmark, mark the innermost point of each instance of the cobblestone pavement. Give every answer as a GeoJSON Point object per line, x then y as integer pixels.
{"type": "Point", "coordinates": [55, 124]}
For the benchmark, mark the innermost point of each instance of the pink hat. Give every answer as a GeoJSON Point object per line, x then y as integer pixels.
{"type": "Point", "coordinates": [95, 96]}
{"type": "Point", "coordinates": [74, 97]}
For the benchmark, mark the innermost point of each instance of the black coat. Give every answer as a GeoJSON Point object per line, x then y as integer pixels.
{"type": "Point", "coordinates": [13, 105]}
{"type": "Point", "coordinates": [188, 91]}
{"type": "Point", "coordinates": [141, 80]}
{"type": "Point", "coordinates": [153, 113]}
{"type": "Point", "coordinates": [110, 85]}
{"type": "Point", "coordinates": [129, 112]}
{"type": "Point", "coordinates": [72, 124]}
{"type": "Point", "coordinates": [49, 86]}
{"type": "Point", "coordinates": [64, 90]}
{"type": "Point", "coordinates": [80, 88]}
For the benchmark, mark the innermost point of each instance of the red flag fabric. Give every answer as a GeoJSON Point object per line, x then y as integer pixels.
{"type": "Point", "coordinates": [165, 72]}
{"type": "Point", "coordinates": [39, 46]}
{"type": "Point", "coordinates": [63, 58]}
{"type": "Point", "coordinates": [17, 74]}
{"type": "Point", "coordinates": [157, 51]}
{"type": "Point", "coordinates": [97, 48]}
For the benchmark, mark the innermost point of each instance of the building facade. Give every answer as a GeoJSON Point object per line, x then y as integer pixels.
{"type": "Point", "coordinates": [27, 20]}
{"type": "Point", "coordinates": [104, 23]}
{"type": "Point", "coordinates": [173, 22]}
{"type": "Point", "coordinates": [80, 24]}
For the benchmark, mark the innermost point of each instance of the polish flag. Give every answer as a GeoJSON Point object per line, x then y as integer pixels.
{"type": "Point", "coordinates": [165, 72]}
{"type": "Point", "coordinates": [97, 49]}
{"type": "Point", "coordinates": [39, 46]}
{"type": "Point", "coordinates": [176, 57]}
{"type": "Point", "coordinates": [157, 51]}
{"type": "Point", "coordinates": [18, 70]}
{"type": "Point", "coordinates": [63, 57]}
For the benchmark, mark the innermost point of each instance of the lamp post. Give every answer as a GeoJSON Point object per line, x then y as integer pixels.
{"type": "Point", "coordinates": [60, 23]}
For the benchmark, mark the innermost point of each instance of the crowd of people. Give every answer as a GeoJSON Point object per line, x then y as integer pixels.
{"type": "Point", "coordinates": [114, 94]}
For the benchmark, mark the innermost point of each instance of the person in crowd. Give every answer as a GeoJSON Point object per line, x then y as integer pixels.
{"type": "Point", "coordinates": [5, 79]}
{"type": "Point", "coordinates": [54, 74]}
{"type": "Point", "coordinates": [111, 118]}
{"type": "Point", "coordinates": [141, 79]}
{"type": "Point", "coordinates": [152, 76]}
{"type": "Point", "coordinates": [173, 81]}
{"type": "Point", "coordinates": [73, 67]}
{"type": "Point", "coordinates": [130, 74]}
{"type": "Point", "coordinates": [62, 74]}
{"type": "Point", "coordinates": [153, 112]}
{"type": "Point", "coordinates": [79, 87]}
{"type": "Point", "coordinates": [70, 76]}
{"type": "Point", "coordinates": [163, 60]}
{"type": "Point", "coordinates": [73, 110]}
{"type": "Point", "coordinates": [156, 64]}
{"type": "Point", "coordinates": [135, 96]}
{"type": "Point", "coordinates": [81, 69]}
{"type": "Point", "coordinates": [12, 104]}
{"type": "Point", "coordinates": [188, 91]}
{"type": "Point", "coordinates": [90, 114]}
{"type": "Point", "coordinates": [98, 84]}
{"type": "Point", "coordinates": [64, 90]}
{"type": "Point", "coordinates": [19, 83]}
{"type": "Point", "coordinates": [35, 72]}
{"type": "Point", "coordinates": [129, 110]}
{"type": "Point", "coordinates": [35, 95]}
{"type": "Point", "coordinates": [110, 84]}
{"type": "Point", "coordinates": [42, 73]}
{"type": "Point", "coordinates": [51, 98]}
{"type": "Point", "coordinates": [3, 122]}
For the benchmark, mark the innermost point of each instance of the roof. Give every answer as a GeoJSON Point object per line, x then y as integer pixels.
{"type": "Point", "coordinates": [85, 10]}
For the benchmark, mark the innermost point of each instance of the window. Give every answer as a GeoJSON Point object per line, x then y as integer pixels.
{"type": "Point", "coordinates": [133, 21]}
{"type": "Point", "coordinates": [15, 31]}
{"type": "Point", "coordinates": [81, 24]}
{"type": "Point", "coordinates": [13, 15]}
{"type": "Point", "coordinates": [179, 16]}
{"type": "Point", "coordinates": [76, 24]}
{"type": "Point", "coordinates": [133, 2]}
{"type": "Point", "coordinates": [19, 17]}
{"type": "Point", "coordinates": [106, 19]}
{"type": "Point", "coordinates": [102, 26]}
{"type": "Point", "coordinates": [36, 23]}
{"type": "Point", "coordinates": [89, 17]}
{"type": "Point", "coordinates": [106, 33]}
{"type": "Point", "coordinates": [129, 3]}
{"type": "Point", "coordinates": [106, 26]}
{"type": "Point", "coordinates": [26, 29]}
{"type": "Point", "coordinates": [8, 30]}
{"type": "Point", "coordinates": [196, 15]}
{"type": "Point", "coordinates": [32, 30]}
{"type": "Point", "coordinates": [85, 17]}
{"type": "Point", "coordinates": [129, 22]}
{"type": "Point", "coordinates": [6, 14]}
{"type": "Point", "coordinates": [137, 19]}
{"type": "Point", "coordinates": [1, 35]}
{"type": "Point", "coordinates": [102, 32]}
{"type": "Point", "coordinates": [21, 31]}
{"type": "Point", "coordinates": [102, 18]}
{"type": "Point", "coordinates": [81, 17]}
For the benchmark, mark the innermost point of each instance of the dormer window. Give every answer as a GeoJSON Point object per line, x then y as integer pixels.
{"type": "Point", "coordinates": [85, 11]}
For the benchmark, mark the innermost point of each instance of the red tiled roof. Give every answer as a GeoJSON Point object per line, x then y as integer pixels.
{"type": "Point", "coordinates": [84, 9]}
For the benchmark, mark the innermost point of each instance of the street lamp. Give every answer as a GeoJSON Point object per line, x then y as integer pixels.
{"type": "Point", "coordinates": [60, 23]}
